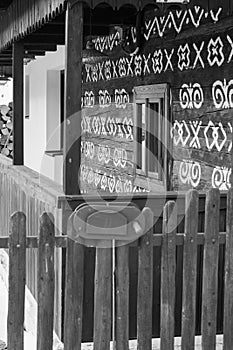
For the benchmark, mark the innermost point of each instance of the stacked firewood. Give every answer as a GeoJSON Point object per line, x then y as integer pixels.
{"type": "Point", "coordinates": [6, 129]}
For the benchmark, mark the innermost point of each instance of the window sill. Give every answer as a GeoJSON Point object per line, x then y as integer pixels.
{"type": "Point", "coordinates": [54, 153]}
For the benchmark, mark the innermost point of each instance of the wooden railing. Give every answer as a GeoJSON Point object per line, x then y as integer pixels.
{"type": "Point", "coordinates": [22, 189]}
{"type": "Point", "coordinates": [168, 241]}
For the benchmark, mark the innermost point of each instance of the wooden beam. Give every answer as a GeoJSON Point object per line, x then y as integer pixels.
{"type": "Point", "coordinates": [18, 135]}
{"type": "Point", "coordinates": [42, 39]}
{"type": "Point", "coordinates": [72, 126]}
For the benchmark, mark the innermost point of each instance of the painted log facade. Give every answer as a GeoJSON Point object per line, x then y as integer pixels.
{"type": "Point", "coordinates": [191, 50]}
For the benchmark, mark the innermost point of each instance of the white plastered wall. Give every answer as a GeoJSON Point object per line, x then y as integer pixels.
{"type": "Point", "coordinates": [44, 114]}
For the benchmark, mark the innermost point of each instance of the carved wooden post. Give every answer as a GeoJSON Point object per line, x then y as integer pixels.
{"type": "Point", "coordinates": [18, 51]}
{"type": "Point", "coordinates": [72, 126]}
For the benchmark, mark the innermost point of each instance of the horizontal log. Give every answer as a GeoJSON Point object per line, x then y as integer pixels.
{"type": "Point", "coordinates": [61, 241]}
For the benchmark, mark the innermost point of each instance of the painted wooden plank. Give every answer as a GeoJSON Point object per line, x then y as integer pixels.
{"type": "Point", "coordinates": [168, 270]}
{"type": "Point", "coordinates": [145, 285]}
{"type": "Point", "coordinates": [45, 283]}
{"type": "Point", "coordinates": [17, 278]}
{"type": "Point", "coordinates": [122, 298]}
{"type": "Point", "coordinates": [73, 294]}
{"type": "Point", "coordinates": [102, 299]}
{"type": "Point", "coordinates": [210, 270]}
{"type": "Point", "coordinates": [189, 271]}
{"type": "Point", "coordinates": [72, 129]}
{"type": "Point", "coordinates": [228, 290]}
{"type": "Point", "coordinates": [18, 115]}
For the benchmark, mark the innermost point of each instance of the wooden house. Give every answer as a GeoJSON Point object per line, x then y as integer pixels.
{"type": "Point", "coordinates": [148, 112]}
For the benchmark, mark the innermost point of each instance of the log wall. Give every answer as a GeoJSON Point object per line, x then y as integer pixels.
{"type": "Point", "coordinates": [191, 50]}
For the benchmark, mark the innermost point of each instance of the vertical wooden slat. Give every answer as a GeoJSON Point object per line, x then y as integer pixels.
{"type": "Point", "coordinates": [145, 285]}
{"type": "Point", "coordinates": [122, 298]}
{"type": "Point", "coordinates": [18, 118]}
{"type": "Point", "coordinates": [210, 270]}
{"type": "Point", "coordinates": [17, 277]}
{"type": "Point", "coordinates": [72, 125]}
{"type": "Point", "coordinates": [189, 271]}
{"type": "Point", "coordinates": [102, 299]}
{"type": "Point", "coordinates": [73, 294]}
{"type": "Point", "coordinates": [45, 283]}
{"type": "Point", "coordinates": [228, 289]}
{"type": "Point", "coordinates": [168, 270]}
{"type": "Point", "coordinates": [58, 275]}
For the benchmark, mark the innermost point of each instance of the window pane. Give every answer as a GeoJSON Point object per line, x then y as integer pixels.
{"type": "Point", "coordinates": [153, 137]}
{"type": "Point", "coordinates": [140, 138]}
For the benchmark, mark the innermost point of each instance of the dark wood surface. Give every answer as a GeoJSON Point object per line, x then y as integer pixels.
{"type": "Point", "coordinates": [72, 124]}
{"type": "Point", "coordinates": [45, 283]}
{"type": "Point", "coordinates": [74, 295]}
{"type": "Point", "coordinates": [189, 271]}
{"type": "Point", "coordinates": [168, 270]}
{"type": "Point", "coordinates": [17, 281]}
{"type": "Point", "coordinates": [228, 297]}
{"type": "Point", "coordinates": [210, 271]}
{"type": "Point", "coordinates": [145, 285]}
{"type": "Point", "coordinates": [122, 297]}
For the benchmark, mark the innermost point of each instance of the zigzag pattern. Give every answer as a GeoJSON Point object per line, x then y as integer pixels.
{"type": "Point", "coordinates": [178, 19]}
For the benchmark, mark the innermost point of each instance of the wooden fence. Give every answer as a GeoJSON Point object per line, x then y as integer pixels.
{"type": "Point", "coordinates": [168, 240]}
{"type": "Point", "coordinates": [22, 189]}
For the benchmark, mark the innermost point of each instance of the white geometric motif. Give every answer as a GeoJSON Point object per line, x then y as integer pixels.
{"type": "Point", "coordinates": [169, 60]}
{"type": "Point", "coordinates": [190, 173]}
{"type": "Point", "coordinates": [195, 127]}
{"type": "Point", "coordinates": [184, 57]}
{"type": "Point", "coordinates": [157, 61]}
{"type": "Point", "coordinates": [215, 52]}
{"type": "Point", "coordinates": [231, 53]}
{"type": "Point", "coordinates": [88, 99]}
{"type": "Point", "coordinates": [221, 178]}
{"type": "Point", "coordinates": [191, 96]}
{"type": "Point", "coordinates": [198, 55]}
{"type": "Point", "coordinates": [104, 98]}
{"type": "Point", "coordinates": [215, 136]}
{"type": "Point", "coordinates": [121, 98]}
{"type": "Point", "coordinates": [222, 93]}
{"type": "Point", "coordinates": [138, 65]}
{"type": "Point", "coordinates": [176, 20]}
{"type": "Point", "coordinates": [107, 43]}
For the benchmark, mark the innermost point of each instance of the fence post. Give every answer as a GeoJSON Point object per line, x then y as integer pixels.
{"type": "Point", "coordinates": [73, 293]}
{"type": "Point", "coordinates": [102, 299]}
{"type": "Point", "coordinates": [210, 270]}
{"type": "Point", "coordinates": [168, 271]}
{"type": "Point", "coordinates": [189, 271]}
{"type": "Point", "coordinates": [122, 298]}
{"type": "Point", "coordinates": [45, 283]}
{"type": "Point", "coordinates": [17, 278]}
{"type": "Point", "coordinates": [145, 284]}
{"type": "Point", "coordinates": [228, 288]}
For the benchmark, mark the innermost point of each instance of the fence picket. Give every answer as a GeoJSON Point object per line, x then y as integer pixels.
{"type": "Point", "coordinates": [189, 271]}
{"type": "Point", "coordinates": [102, 299]}
{"type": "Point", "coordinates": [228, 290]}
{"type": "Point", "coordinates": [122, 298]}
{"type": "Point", "coordinates": [17, 279]}
{"type": "Point", "coordinates": [73, 294]}
{"type": "Point", "coordinates": [45, 283]}
{"type": "Point", "coordinates": [168, 271]}
{"type": "Point", "coordinates": [145, 285]}
{"type": "Point", "coordinates": [210, 270]}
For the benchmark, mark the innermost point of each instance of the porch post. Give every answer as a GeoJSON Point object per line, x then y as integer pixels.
{"type": "Point", "coordinates": [18, 118]}
{"type": "Point", "coordinates": [73, 88]}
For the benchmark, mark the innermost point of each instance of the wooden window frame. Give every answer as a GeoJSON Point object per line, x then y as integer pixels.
{"type": "Point", "coordinates": [156, 94]}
